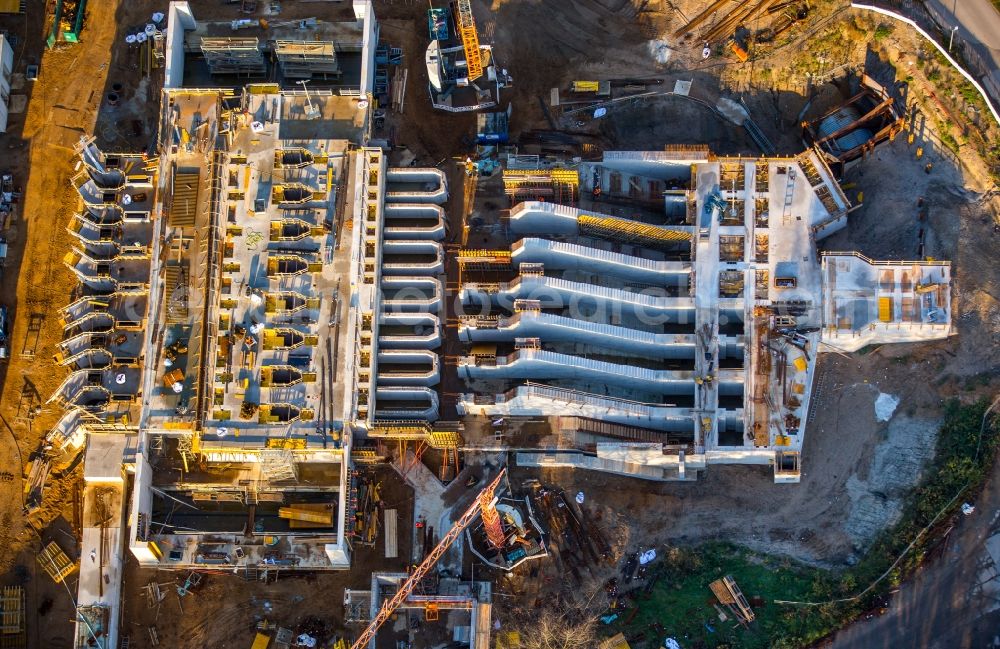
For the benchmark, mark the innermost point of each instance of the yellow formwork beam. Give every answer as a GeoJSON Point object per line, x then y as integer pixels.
{"type": "Point", "coordinates": [483, 256]}
{"type": "Point", "coordinates": [401, 431]}
{"type": "Point", "coordinates": [566, 176]}
{"type": "Point", "coordinates": [626, 230]}
{"type": "Point", "coordinates": [885, 309]}
{"type": "Point", "coordinates": [300, 513]}
{"type": "Point", "coordinates": [444, 439]}
{"type": "Point", "coordinates": [434, 438]}
{"type": "Point", "coordinates": [291, 443]}
{"type": "Point", "coordinates": [263, 88]}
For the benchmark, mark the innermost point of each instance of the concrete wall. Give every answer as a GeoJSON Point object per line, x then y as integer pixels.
{"type": "Point", "coordinates": [559, 293]}
{"type": "Point", "coordinates": [142, 503]}
{"type": "Point", "coordinates": [179, 19]}
{"type": "Point", "coordinates": [435, 183]}
{"type": "Point", "coordinates": [6, 61]}
{"type": "Point", "coordinates": [6, 69]}
{"type": "Point", "coordinates": [3, 116]}
{"type": "Point", "coordinates": [541, 364]}
{"type": "Point", "coordinates": [546, 401]}
{"type": "Point", "coordinates": [534, 217]}
{"type": "Point", "coordinates": [661, 165]}
{"type": "Point", "coordinates": [364, 11]}
{"type": "Point", "coordinates": [554, 328]}
{"type": "Point", "coordinates": [571, 256]}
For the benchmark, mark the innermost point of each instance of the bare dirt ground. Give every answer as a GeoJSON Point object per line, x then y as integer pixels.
{"type": "Point", "coordinates": [61, 106]}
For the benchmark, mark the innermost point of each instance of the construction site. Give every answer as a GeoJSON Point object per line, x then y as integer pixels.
{"type": "Point", "coordinates": [371, 332]}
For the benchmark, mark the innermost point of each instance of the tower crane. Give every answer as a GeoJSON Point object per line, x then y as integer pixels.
{"type": "Point", "coordinates": [486, 504]}
{"type": "Point", "coordinates": [470, 40]}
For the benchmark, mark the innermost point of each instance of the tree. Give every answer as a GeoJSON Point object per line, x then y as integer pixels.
{"type": "Point", "coordinates": [547, 628]}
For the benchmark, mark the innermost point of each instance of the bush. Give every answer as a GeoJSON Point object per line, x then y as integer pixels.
{"type": "Point", "coordinates": [883, 31]}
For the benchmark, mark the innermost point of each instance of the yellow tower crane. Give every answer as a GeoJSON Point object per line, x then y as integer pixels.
{"type": "Point", "coordinates": [484, 502]}
{"type": "Point", "coordinates": [470, 39]}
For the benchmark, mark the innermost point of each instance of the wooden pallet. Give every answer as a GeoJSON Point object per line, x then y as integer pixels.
{"type": "Point", "coordinates": [12, 618]}
{"type": "Point", "coordinates": [55, 562]}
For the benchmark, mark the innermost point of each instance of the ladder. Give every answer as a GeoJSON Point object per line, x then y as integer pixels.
{"type": "Point", "coordinates": [470, 39]}
{"type": "Point", "coordinates": [786, 214]}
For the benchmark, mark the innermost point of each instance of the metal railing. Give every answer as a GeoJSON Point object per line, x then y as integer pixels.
{"type": "Point", "coordinates": [935, 28]}
{"type": "Point", "coordinates": [882, 262]}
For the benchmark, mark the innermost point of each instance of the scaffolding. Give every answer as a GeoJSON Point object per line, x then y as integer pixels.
{"type": "Point", "coordinates": [445, 437]}
{"type": "Point", "coordinates": [559, 185]}
{"type": "Point", "coordinates": [234, 56]}
{"type": "Point", "coordinates": [184, 200]}
{"type": "Point", "coordinates": [175, 284]}
{"type": "Point", "coordinates": [304, 59]}
{"type": "Point", "coordinates": [632, 232]}
{"type": "Point", "coordinates": [278, 465]}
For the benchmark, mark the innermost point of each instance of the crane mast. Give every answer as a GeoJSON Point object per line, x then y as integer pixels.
{"type": "Point", "coordinates": [484, 502]}
{"type": "Point", "coordinates": [470, 40]}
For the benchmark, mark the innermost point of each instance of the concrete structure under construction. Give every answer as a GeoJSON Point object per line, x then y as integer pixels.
{"type": "Point", "coordinates": [687, 335]}
{"type": "Point", "coordinates": [251, 298]}
{"type": "Point", "coordinates": [464, 609]}
{"type": "Point", "coordinates": [265, 293]}
{"type": "Point", "coordinates": [852, 130]}
{"type": "Point", "coordinates": [335, 54]}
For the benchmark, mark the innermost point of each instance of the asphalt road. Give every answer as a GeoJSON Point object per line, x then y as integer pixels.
{"type": "Point", "coordinates": [978, 22]}
{"type": "Point", "coordinates": [954, 602]}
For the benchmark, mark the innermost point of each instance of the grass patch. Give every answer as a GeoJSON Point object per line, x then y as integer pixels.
{"type": "Point", "coordinates": [681, 602]}
{"type": "Point", "coordinates": [947, 139]}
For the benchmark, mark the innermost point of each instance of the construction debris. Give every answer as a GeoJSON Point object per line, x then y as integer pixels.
{"type": "Point", "coordinates": [730, 596]}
